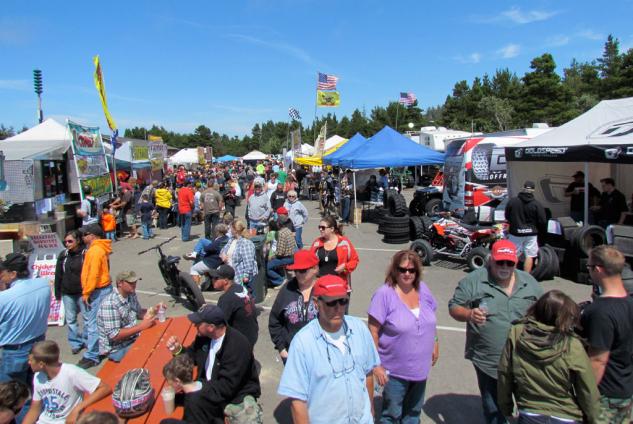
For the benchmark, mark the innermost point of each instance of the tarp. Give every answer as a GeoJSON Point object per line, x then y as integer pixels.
{"type": "Point", "coordinates": [227, 158]}
{"type": "Point", "coordinates": [318, 160]}
{"type": "Point", "coordinates": [255, 155]}
{"type": "Point", "coordinates": [352, 144]}
{"type": "Point", "coordinates": [184, 157]}
{"type": "Point", "coordinates": [598, 142]}
{"type": "Point", "coordinates": [48, 140]}
{"type": "Point", "coordinates": [390, 148]}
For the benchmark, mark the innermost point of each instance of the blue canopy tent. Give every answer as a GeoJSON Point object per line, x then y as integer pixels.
{"type": "Point", "coordinates": [390, 148]}
{"type": "Point", "coordinates": [352, 144]}
{"type": "Point", "coordinates": [227, 158]}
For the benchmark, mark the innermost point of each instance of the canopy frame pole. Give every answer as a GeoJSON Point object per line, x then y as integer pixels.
{"type": "Point", "coordinates": [586, 198]}
{"type": "Point", "coordinates": [354, 179]}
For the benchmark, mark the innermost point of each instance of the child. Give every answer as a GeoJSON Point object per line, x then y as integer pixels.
{"type": "Point", "coordinates": [108, 223]}
{"type": "Point", "coordinates": [58, 388]}
{"type": "Point", "coordinates": [179, 375]}
{"type": "Point", "coordinates": [146, 209]}
{"type": "Point", "coordinates": [230, 201]}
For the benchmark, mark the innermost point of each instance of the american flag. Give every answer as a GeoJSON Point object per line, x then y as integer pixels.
{"type": "Point", "coordinates": [326, 82]}
{"type": "Point", "coordinates": [294, 114]}
{"type": "Point", "coordinates": [407, 99]}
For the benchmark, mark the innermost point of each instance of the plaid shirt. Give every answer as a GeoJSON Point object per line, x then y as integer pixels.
{"type": "Point", "coordinates": [115, 313]}
{"type": "Point", "coordinates": [243, 261]}
{"type": "Point", "coordinates": [286, 243]}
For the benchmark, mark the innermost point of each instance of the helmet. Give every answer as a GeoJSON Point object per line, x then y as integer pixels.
{"type": "Point", "coordinates": [133, 394]}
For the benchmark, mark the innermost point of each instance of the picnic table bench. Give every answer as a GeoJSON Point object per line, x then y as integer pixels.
{"type": "Point", "coordinates": [148, 351]}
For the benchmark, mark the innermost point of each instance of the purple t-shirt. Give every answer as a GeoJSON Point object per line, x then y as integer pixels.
{"type": "Point", "coordinates": [405, 344]}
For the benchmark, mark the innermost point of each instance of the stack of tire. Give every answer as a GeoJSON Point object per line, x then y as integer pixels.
{"type": "Point", "coordinates": [394, 223]}
{"type": "Point", "coordinates": [546, 265]}
{"type": "Point", "coordinates": [578, 242]}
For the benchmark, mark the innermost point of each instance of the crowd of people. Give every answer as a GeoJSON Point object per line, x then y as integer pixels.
{"type": "Point", "coordinates": [536, 355]}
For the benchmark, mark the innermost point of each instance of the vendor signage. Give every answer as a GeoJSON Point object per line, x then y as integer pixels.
{"type": "Point", "coordinates": [608, 153]}
{"type": "Point", "coordinates": [140, 152]}
{"type": "Point", "coordinates": [47, 247]}
{"type": "Point", "coordinates": [201, 158]}
{"type": "Point", "coordinates": [46, 243]}
{"type": "Point", "coordinates": [208, 153]}
{"type": "Point", "coordinates": [157, 149]}
{"type": "Point", "coordinates": [100, 185]}
{"type": "Point", "coordinates": [89, 166]}
{"type": "Point", "coordinates": [85, 140]}
{"type": "Point", "coordinates": [296, 140]}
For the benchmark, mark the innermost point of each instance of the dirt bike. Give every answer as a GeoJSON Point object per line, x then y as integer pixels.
{"type": "Point", "coordinates": [177, 283]}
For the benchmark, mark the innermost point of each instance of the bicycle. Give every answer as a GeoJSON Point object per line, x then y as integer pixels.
{"type": "Point", "coordinates": [177, 283]}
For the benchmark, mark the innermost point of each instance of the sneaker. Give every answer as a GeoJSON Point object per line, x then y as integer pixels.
{"type": "Point", "coordinates": [76, 350]}
{"type": "Point", "coordinates": [189, 257]}
{"type": "Point", "coordinates": [86, 363]}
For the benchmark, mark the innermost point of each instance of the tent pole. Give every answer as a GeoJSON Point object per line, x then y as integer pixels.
{"type": "Point", "coordinates": [586, 198]}
{"type": "Point", "coordinates": [354, 178]}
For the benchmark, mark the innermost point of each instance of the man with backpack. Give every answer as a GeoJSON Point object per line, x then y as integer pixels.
{"type": "Point", "coordinates": [88, 211]}
{"type": "Point", "coordinates": [212, 204]}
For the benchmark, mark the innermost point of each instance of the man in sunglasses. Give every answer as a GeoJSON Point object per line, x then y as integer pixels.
{"type": "Point", "coordinates": [328, 375]}
{"type": "Point", "coordinates": [489, 300]}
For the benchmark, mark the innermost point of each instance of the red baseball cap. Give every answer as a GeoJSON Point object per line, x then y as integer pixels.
{"type": "Point", "coordinates": [330, 287]}
{"type": "Point", "coordinates": [504, 250]}
{"type": "Point", "coordinates": [304, 259]}
{"type": "Point", "coordinates": [282, 211]}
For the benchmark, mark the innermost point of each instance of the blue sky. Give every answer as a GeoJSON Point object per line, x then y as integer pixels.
{"type": "Point", "coordinates": [230, 64]}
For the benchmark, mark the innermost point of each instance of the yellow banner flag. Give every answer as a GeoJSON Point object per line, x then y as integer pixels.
{"type": "Point", "coordinates": [328, 98]}
{"type": "Point", "coordinates": [102, 94]}
{"type": "Point", "coordinates": [154, 137]}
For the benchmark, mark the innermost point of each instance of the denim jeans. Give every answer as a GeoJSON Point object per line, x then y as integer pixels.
{"type": "Point", "coordinates": [199, 247]}
{"type": "Point", "coordinates": [345, 204]}
{"type": "Point", "coordinates": [147, 231]}
{"type": "Point", "coordinates": [163, 213]}
{"type": "Point", "coordinates": [402, 401]}
{"type": "Point", "coordinates": [275, 278]}
{"type": "Point", "coordinates": [298, 232]}
{"type": "Point", "coordinates": [488, 390]}
{"type": "Point", "coordinates": [90, 323]}
{"type": "Point", "coordinates": [14, 362]}
{"type": "Point", "coordinates": [210, 221]}
{"type": "Point", "coordinates": [73, 306]}
{"type": "Point", "coordinates": [539, 419]}
{"type": "Point", "coordinates": [185, 229]}
{"type": "Point", "coordinates": [118, 355]}
{"type": "Point", "coordinates": [111, 235]}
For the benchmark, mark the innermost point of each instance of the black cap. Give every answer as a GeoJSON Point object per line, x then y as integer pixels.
{"type": "Point", "coordinates": [210, 314]}
{"type": "Point", "coordinates": [529, 185]}
{"type": "Point", "coordinates": [579, 174]}
{"type": "Point", "coordinates": [94, 229]}
{"type": "Point", "coordinates": [15, 262]}
{"type": "Point", "coordinates": [223, 271]}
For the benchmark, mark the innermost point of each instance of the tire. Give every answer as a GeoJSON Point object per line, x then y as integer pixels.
{"type": "Point", "coordinates": [192, 292]}
{"type": "Point", "coordinates": [395, 232]}
{"type": "Point", "coordinates": [416, 228]}
{"type": "Point", "coordinates": [387, 195]}
{"type": "Point", "coordinates": [416, 207]}
{"type": "Point", "coordinates": [398, 205]}
{"type": "Point", "coordinates": [477, 258]}
{"type": "Point", "coordinates": [541, 270]}
{"type": "Point", "coordinates": [433, 206]}
{"type": "Point", "coordinates": [396, 240]}
{"type": "Point", "coordinates": [424, 250]}
{"type": "Point", "coordinates": [380, 214]}
{"type": "Point", "coordinates": [554, 263]}
{"type": "Point", "coordinates": [399, 221]}
{"type": "Point", "coordinates": [410, 182]}
{"type": "Point", "coordinates": [588, 237]}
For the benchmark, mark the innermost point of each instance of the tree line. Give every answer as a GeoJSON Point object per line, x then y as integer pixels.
{"type": "Point", "coordinates": [489, 103]}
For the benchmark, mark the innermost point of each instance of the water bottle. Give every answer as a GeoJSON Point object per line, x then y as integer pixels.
{"type": "Point", "coordinates": [161, 313]}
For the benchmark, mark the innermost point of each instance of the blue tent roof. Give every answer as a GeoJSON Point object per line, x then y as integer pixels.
{"type": "Point", "coordinates": [344, 151]}
{"type": "Point", "coordinates": [226, 158]}
{"type": "Point", "coordinates": [390, 148]}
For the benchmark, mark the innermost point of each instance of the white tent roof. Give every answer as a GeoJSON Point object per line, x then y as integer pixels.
{"type": "Point", "coordinates": [333, 141]}
{"type": "Point", "coordinates": [48, 137]}
{"type": "Point", "coordinates": [184, 156]}
{"type": "Point", "coordinates": [255, 155]}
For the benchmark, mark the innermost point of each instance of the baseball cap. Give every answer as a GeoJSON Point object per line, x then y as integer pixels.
{"type": "Point", "coordinates": [223, 271]}
{"type": "Point", "coordinates": [15, 262]}
{"type": "Point", "coordinates": [282, 211]}
{"type": "Point", "coordinates": [330, 287]}
{"type": "Point", "coordinates": [210, 314]}
{"type": "Point", "coordinates": [129, 276]}
{"type": "Point", "coordinates": [578, 174]}
{"type": "Point", "coordinates": [94, 229]}
{"type": "Point", "coordinates": [303, 259]}
{"type": "Point", "coordinates": [504, 250]}
{"type": "Point", "coordinates": [529, 185]}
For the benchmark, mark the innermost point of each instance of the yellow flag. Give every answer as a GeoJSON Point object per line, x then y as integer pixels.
{"type": "Point", "coordinates": [154, 137]}
{"type": "Point", "coordinates": [328, 98]}
{"type": "Point", "coordinates": [102, 94]}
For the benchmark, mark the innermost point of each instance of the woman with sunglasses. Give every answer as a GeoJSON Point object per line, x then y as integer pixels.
{"type": "Point", "coordinates": [239, 252]}
{"type": "Point", "coordinates": [68, 286]}
{"type": "Point", "coordinates": [402, 323]}
{"type": "Point", "coordinates": [545, 366]}
{"type": "Point", "coordinates": [335, 252]}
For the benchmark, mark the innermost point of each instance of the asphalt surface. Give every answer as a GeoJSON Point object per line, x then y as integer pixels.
{"type": "Point", "coordinates": [451, 391]}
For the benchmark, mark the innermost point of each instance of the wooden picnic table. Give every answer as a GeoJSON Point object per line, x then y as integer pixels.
{"type": "Point", "coordinates": [148, 351]}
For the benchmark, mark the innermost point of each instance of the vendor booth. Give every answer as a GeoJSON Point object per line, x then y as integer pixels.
{"type": "Point", "coordinates": [333, 158]}
{"type": "Point", "coordinates": [227, 158]}
{"type": "Point", "coordinates": [317, 160]}
{"type": "Point", "coordinates": [254, 156]}
{"type": "Point", "coordinates": [185, 157]}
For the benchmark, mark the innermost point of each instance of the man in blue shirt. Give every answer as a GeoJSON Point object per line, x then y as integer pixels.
{"type": "Point", "coordinates": [328, 376]}
{"type": "Point", "coordinates": [24, 309]}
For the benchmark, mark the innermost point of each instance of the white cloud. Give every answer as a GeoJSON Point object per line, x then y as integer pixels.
{"type": "Point", "coordinates": [474, 57]}
{"type": "Point", "coordinates": [558, 41]}
{"type": "Point", "coordinates": [518, 16]}
{"type": "Point", "coordinates": [20, 85]}
{"type": "Point", "coordinates": [509, 51]}
{"type": "Point", "coordinates": [279, 46]}
{"type": "Point", "coordinates": [591, 35]}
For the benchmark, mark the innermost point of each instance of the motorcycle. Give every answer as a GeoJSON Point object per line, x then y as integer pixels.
{"type": "Point", "coordinates": [452, 238]}
{"type": "Point", "coordinates": [177, 283]}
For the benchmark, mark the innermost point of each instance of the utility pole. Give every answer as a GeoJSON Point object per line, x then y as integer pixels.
{"type": "Point", "coordinates": [37, 83]}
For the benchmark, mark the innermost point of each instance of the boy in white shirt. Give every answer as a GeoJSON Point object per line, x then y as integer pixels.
{"type": "Point", "coordinates": [60, 391]}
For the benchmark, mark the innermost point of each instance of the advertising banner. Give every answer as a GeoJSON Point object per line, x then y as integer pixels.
{"type": "Point", "coordinates": [201, 158]}
{"type": "Point", "coordinates": [140, 151]}
{"type": "Point", "coordinates": [90, 166]}
{"type": "Point", "coordinates": [208, 153]}
{"type": "Point", "coordinates": [296, 140]}
{"type": "Point", "coordinates": [46, 247]}
{"type": "Point", "coordinates": [86, 141]}
{"type": "Point", "coordinates": [328, 98]}
{"type": "Point", "coordinates": [100, 185]}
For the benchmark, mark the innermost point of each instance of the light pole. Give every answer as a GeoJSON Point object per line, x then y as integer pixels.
{"type": "Point", "coordinates": [37, 83]}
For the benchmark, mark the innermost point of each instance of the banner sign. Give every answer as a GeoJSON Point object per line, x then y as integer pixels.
{"type": "Point", "coordinates": [46, 247]}
{"type": "Point", "coordinates": [157, 149]}
{"type": "Point", "coordinates": [328, 98]}
{"type": "Point", "coordinates": [154, 138]}
{"type": "Point", "coordinates": [319, 144]}
{"type": "Point", "coordinates": [98, 77]}
{"type": "Point", "coordinates": [86, 141]}
{"type": "Point", "coordinates": [295, 136]}
{"type": "Point", "coordinates": [100, 185]}
{"type": "Point", "coordinates": [201, 158]}
{"type": "Point", "coordinates": [90, 166]}
{"type": "Point", "coordinates": [140, 151]}
{"type": "Point", "coordinates": [208, 153]}
{"type": "Point", "coordinates": [606, 153]}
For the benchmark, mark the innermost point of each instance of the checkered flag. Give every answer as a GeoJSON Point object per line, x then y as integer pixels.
{"type": "Point", "coordinates": [294, 114]}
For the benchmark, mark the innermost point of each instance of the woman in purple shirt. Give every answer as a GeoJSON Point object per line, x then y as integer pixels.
{"type": "Point", "coordinates": [403, 324]}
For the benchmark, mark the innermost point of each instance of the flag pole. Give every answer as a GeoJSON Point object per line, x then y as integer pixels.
{"type": "Point", "coordinates": [397, 110]}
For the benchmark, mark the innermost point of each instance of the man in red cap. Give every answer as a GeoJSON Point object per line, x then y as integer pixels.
{"type": "Point", "coordinates": [489, 300]}
{"type": "Point", "coordinates": [328, 375]}
{"type": "Point", "coordinates": [285, 248]}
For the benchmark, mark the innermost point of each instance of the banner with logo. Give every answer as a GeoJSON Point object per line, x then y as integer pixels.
{"type": "Point", "coordinates": [154, 138]}
{"type": "Point", "coordinates": [100, 185]}
{"type": "Point", "coordinates": [201, 158]}
{"type": "Point", "coordinates": [157, 154]}
{"type": "Point", "coordinates": [295, 136]}
{"type": "Point", "coordinates": [606, 153]}
{"type": "Point", "coordinates": [140, 151]}
{"type": "Point", "coordinates": [98, 77]}
{"type": "Point", "coordinates": [86, 141]}
{"type": "Point", "coordinates": [328, 98]}
{"type": "Point", "coordinates": [208, 153]}
{"type": "Point", "coordinates": [319, 144]}
{"type": "Point", "coordinates": [90, 166]}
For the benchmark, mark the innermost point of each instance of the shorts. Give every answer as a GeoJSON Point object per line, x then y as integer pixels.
{"type": "Point", "coordinates": [199, 269]}
{"type": "Point", "coordinates": [130, 219]}
{"type": "Point", "coordinates": [527, 245]}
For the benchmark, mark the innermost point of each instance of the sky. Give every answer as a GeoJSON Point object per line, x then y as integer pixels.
{"type": "Point", "coordinates": [231, 64]}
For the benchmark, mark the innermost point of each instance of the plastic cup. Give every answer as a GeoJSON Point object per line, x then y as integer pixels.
{"type": "Point", "coordinates": [169, 395]}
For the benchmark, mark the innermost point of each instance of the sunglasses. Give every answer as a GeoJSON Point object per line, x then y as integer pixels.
{"type": "Point", "coordinates": [332, 303]}
{"type": "Point", "coordinates": [291, 197]}
{"type": "Point", "coordinates": [301, 271]}
{"type": "Point", "coordinates": [402, 270]}
{"type": "Point", "coordinates": [505, 263]}
{"type": "Point", "coordinates": [323, 227]}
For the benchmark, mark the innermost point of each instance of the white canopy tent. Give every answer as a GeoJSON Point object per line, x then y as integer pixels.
{"type": "Point", "coordinates": [333, 141]}
{"type": "Point", "coordinates": [255, 155]}
{"type": "Point", "coordinates": [184, 157]}
{"type": "Point", "coordinates": [598, 142]}
{"type": "Point", "coordinates": [48, 140]}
